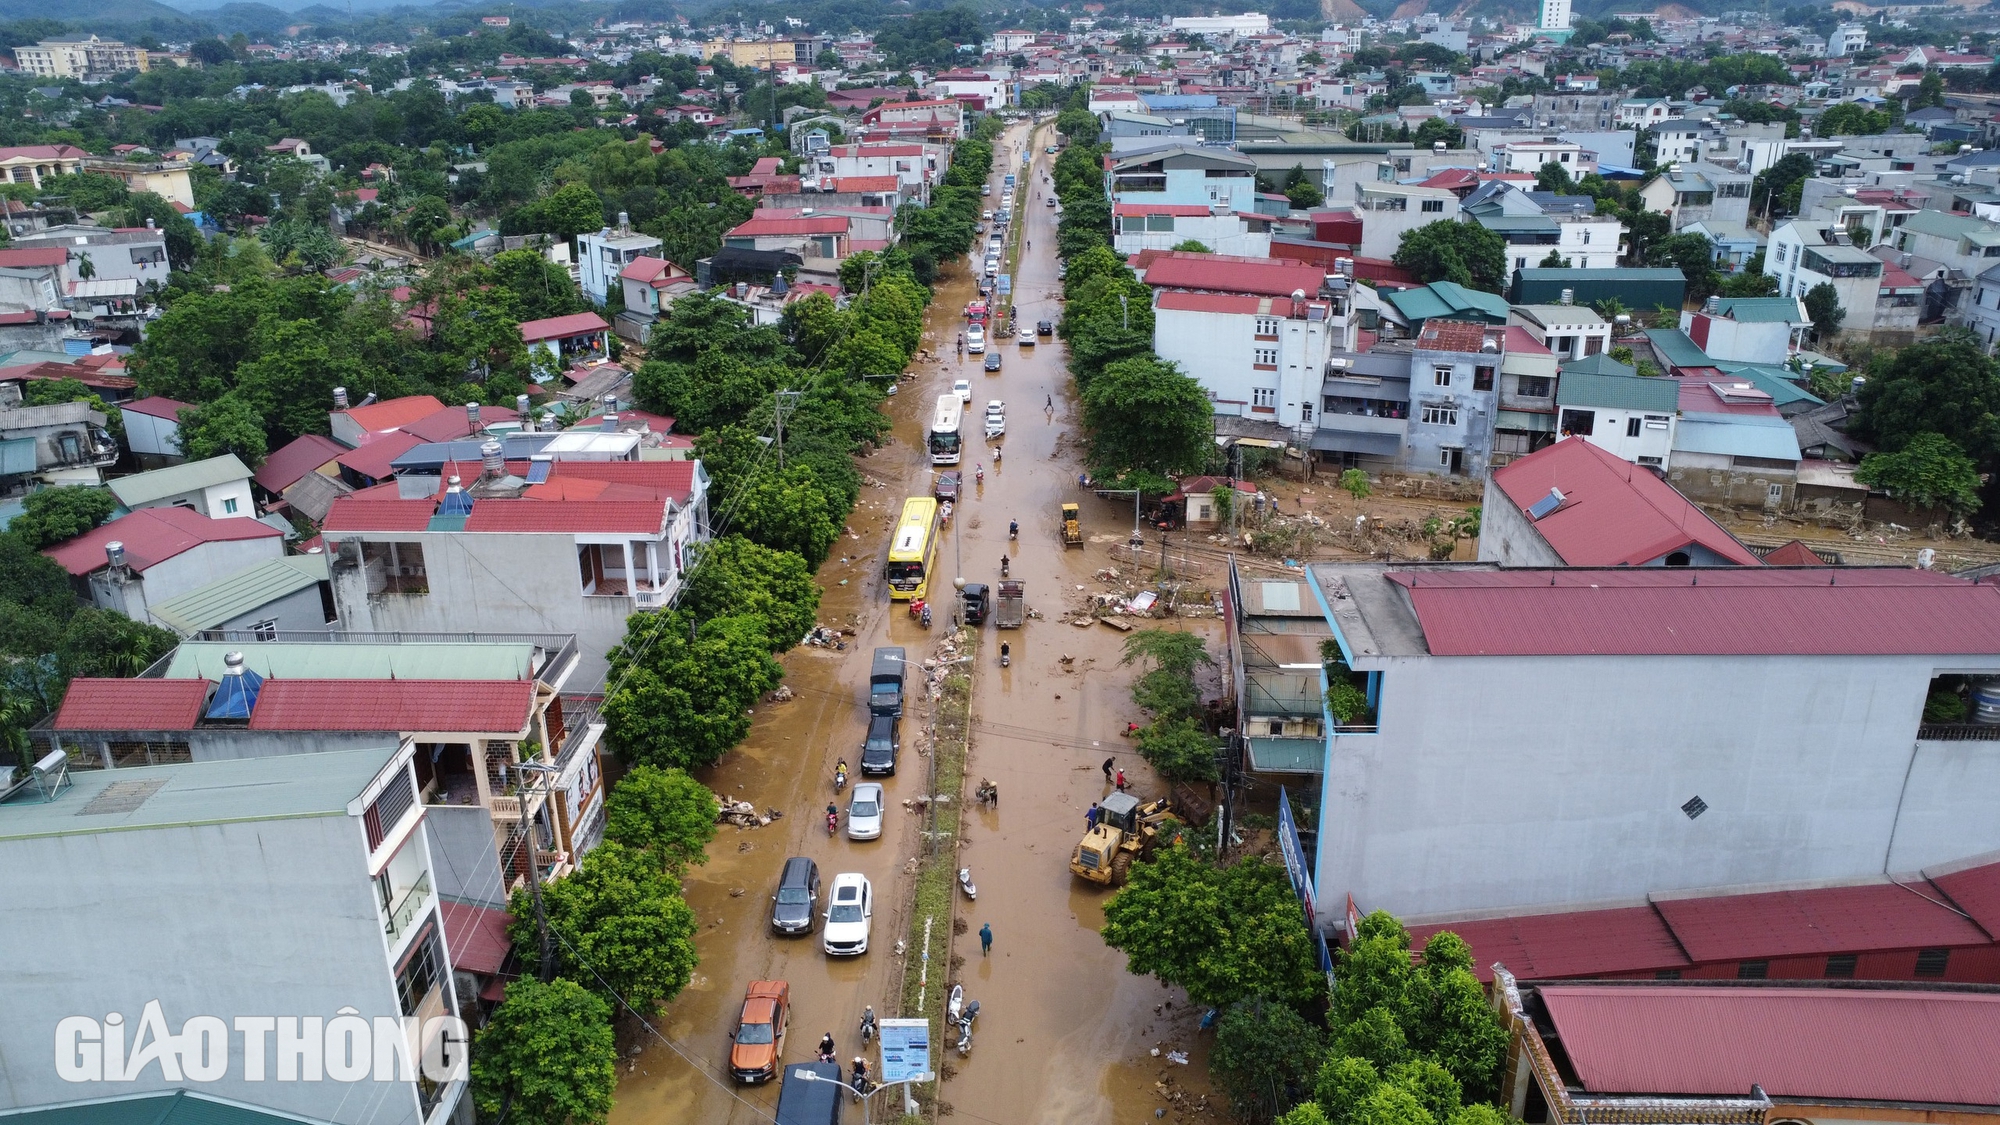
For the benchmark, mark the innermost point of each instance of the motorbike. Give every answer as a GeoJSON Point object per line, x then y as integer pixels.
{"type": "Point", "coordinates": [965, 883]}
{"type": "Point", "coordinates": [1003, 566]}
{"type": "Point", "coordinates": [1013, 530]}
{"type": "Point", "coordinates": [979, 474]}
{"type": "Point", "coordinates": [996, 456]}
{"type": "Point", "coordinates": [987, 794]}
{"type": "Point", "coordinates": [917, 607]}
{"type": "Point", "coordinates": [960, 1013]}
{"type": "Point", "coordinates": [832, 823]}
{"type": "Point", "coordinates": [840, 778]}
{"type": "Point", "coordinates": [867, 1025]}
{"type": "Point", "coordinates": [925, 617]}
{"type": "Point", "coordinates": [1006, 654]}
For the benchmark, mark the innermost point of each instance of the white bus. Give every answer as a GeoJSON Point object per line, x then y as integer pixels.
{"type": "Point", "coordinates": [945, 423]}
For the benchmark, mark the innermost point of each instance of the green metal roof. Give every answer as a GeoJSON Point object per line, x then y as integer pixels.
{"type": "Point", "coordinates": [1518, 224]}
{"type": "Point", "coordinates": [332, 661]}
{"type": "Point", "coordinates": [1448, 301]}
{"type": "Point", "coordinates": [178, 1107]}
{"type": "Point", "coordinates": [1621, 392]}
{"type": "Point", "coordinates": [234, 789]}
{"type": "Point", "coordinates": [1942, 225]}
{"type": "Point", "coordinates": [1553, 274]}
{"type": "Point", "coordinates": [1675, 347]}
{"type": "Point", "coordinates": [210, 606]}
{"type": "Point", "coordinates": [144, 488]}
{"type": "Point", "coordinates": [1772, 380]}
{"type": "Point", "coordinates": [1599, 364]}
{"type": "Point", "coordinates": [1760, 310]}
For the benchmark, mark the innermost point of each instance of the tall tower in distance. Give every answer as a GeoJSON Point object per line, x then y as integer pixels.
{"type": "Point", "coordinates": [1555, 16]}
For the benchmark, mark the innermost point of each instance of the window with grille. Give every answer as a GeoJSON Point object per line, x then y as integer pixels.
{"type": "Point", "coordinates": [1434, 205]}
{"type": "Point", "coordinates": [1267, 326]}
{"type": "Point", "coordinates": [388, 808]}
{"type": "Point", "coordinates": [1932, 962]}
{"type": "Point", "coordinates": [421, 972]}
{"type": "Point", "coordinates": [1841, 966]}
{"type": "Point", "coordinates": [1439, 416]}
{"type": "Point", "coordinates": [1264, 396]}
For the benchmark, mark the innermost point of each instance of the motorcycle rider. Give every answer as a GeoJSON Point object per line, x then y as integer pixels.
{"type": "Point", "coordinates": [1013, 529]}
{"type": "Point", "coordinates": [826, 1047]}
{"type": "Point", "coordinates": [832, 822]}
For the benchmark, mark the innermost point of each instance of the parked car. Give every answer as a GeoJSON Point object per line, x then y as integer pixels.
{"type": "Point", "coordinates": [797, 901]}
{"type": "Point", "coordinates": [963, 389]}
{"type": "Point", "coordinates": [1045, 328]}
{"type": "Point", "coordinates": [945, 487]}
{"type": "Point", "coordinates": [850, 904]}
{"type": "Point", "coordinates": [992, 361]}
{"type": "Point", "coordinates": [864, 811]}
{"type": "Point", "coordinates": [759, 1038]}
{"type": "Point", "coordinates": [878, 750]}
{"type": "Point", "coordinates": [975, 340]}
{"type": "Point", "coordinates": [1027, 337]}
{"type": "Point", "coordinates": [996, 418]}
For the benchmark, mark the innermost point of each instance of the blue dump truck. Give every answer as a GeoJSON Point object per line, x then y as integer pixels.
{"type": "Point", "coordinates": [811, 1101]}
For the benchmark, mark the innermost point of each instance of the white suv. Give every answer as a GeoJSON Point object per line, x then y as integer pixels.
{"type": "Point", "coordinates": [850, 905]}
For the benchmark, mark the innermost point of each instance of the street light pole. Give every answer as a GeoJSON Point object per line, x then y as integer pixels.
{"type": "Point", "coordinates": [909, 1102]}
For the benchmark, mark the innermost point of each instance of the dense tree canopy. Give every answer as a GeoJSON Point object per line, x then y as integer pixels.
{"type": "Point", "coordinates": [1466, 253]}
{"type": "Point", "coordinates": [1223, 933]}
{"type": "Point", "coordinates": [619, 928]}
{"type": "Point", "coordinates": [549, 1056]}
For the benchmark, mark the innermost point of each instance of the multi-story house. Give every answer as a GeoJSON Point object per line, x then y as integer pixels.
{"type": "Point", "coordinates": [234, 915]}
{"type": "Point", "coordinates": [62, 443]}
{"type": "Point", "coordinates": [1257, 333]}
{"type": "Point", "coordinates": [1454, 396]}
{"type": "Point", "coordinates": [1446, 796]}
{"type": "Point", "coordinates": [1641, 112]}
{"type": "Point", "coordinates": [1699, 192]}
{"type": "Point", "coordinates": [1630, 416]}
{"type": "Point", "coordinates": [1184, 174]}
{"type": "Point", "coordinates": [604, 255]}
{"type": "Point", "coordinates": [1536, 224]}
{"type": "Point", "coordinates": [1732, 446]}
{"type": "Point", "coordinates": [1530, 156]}
{"type": "Point", "coordinates": [915, 166]}
{"type": "Point", "coordinates": [218, 488]}
{"type": "Point", "coordinates": [139, 255]}
{"type": "Point", "coordinates": [574, 546]}
{"type": "Point", "coordinates": [1526, 418]}
{"type": "Point", "coordinates": [89, 57]}
{"type": "Point", "coordinates": [1389, 210]}
{"type": "Point", "coordinates": [1748, 329]}
{"type": "Point", "coordinates": [151, 556]}
{"type": "Point", "coordinates": [1805, 255]}
{"type": "Point", "coordinates": [1569, 331]}
{"type": "Point", "coordinates": [1958, 242]}
{"type": "Point", "coordinates": [1162, 226]}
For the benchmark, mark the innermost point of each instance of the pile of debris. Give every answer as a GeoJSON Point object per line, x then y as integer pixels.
{"type": "Point", "coordinates": [743, 814]}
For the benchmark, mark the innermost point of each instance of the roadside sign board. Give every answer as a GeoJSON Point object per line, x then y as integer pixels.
{"type": "Point", "coordinates": [1006, 283]}
{"type": "Point", "coordinates": [906, 1050]}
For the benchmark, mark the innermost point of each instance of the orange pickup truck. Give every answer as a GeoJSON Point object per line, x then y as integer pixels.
{"type": "Point", "coordinates": [760, 1033]}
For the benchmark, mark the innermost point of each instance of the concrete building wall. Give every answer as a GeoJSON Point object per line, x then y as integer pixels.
{"type": "Point", "coordinates": [264, 918]}
{"type": "Point", "coordinates": [1507, 536]}
{"type": "Point", "coordinates": [213, 501]}
{"type": "Point", "coordinates": [189, 570]}
{"type": "Point", "coordinates": [1382, 230]}
{"type": "Point", "coordinates": [1493, 779]}
{"type": "Point", "coordinates": [298, 611]}
{"type": "Point", "coordinates": [1221, 351]}
{"type": "Point", "coordinates": [468, 862]}
{"type": "Point", "coordinates": [1711, 478]}
{"type": "Point", "coordinates": [1429, 446]}
{"type": "Point", "coordinates": [1612, 431]}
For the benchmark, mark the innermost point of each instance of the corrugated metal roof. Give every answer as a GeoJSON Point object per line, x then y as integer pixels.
{"type": "Point", "coordinates": [1818, 921]}
{"type": "Point", "coordinates": [558, 327]}
{"type": "Point", "coordinates": [1738, 436]}
{"type": "Point", "coordinates": [368, 513]}
{"type": "Point", "coordinates": [374, 460]}
{"type": "Point", "coordinates": [1578, 944]}
{"type": "Point", "coordinates": [295, 459]}
{"type": "Point", "coordinates": [495, 707]}
{"type": "Point", "coordinates": [145, 488]}
{"type": "Point", "coordinates": [1227, 273]}
{"type": "Point", "coordinates": [634, 517]}
{"type": "Point", "coordinates": [409, 660]}
{"type": "Point", "coordinates": [1618, 392]}
{"type": "Point", "coordinates": [476, 935]}
{"type": "Point", "coordinates": [1677, 349]}
{"type": "Point", "coordinates": [152, 535]}
{"type": "Point", "coordinates": [207, 607]}
{"type": "Point", "coordinates": [1976, 890]}
{"type": "Point", "coordinates": [391, 414]}
{"type": "Point", "coordinates": [181, 1107]}
{"type": "Point", "coordinates": [119, 704]}
{"type": "Point", "coordinates": [1763, 310]}
{"type": "Point", "coordinates": [1698, 612]}
{"type": "Point", "coordinates": [1613, 512]}
{"type": "Point", "coordinates": [1876, 1045]}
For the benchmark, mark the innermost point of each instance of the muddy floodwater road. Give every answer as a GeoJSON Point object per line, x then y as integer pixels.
{"type": "Point", "coordinates": [1065, 1033]}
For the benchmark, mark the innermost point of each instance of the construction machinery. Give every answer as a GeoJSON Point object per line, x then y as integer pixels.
{"type": "Point", "coordinates": [1072, 526]}
{"type": "Point", "coordinates": [1126, 832]}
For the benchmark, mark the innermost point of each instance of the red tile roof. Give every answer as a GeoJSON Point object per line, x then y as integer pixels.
{"type": "Point", "coordinates": [1576, 944]}
{"type": "Point", "coordinates": [373, 460]}
{"type": "Point", "coordinates": [1719, 611]}
{"type": "Point", "coordinates": [1520, 343]}
{"type": "Point", "coordinates": [1873, 1045]}
{"type": "Point", "coordinates": [817, 224]}
{"type": "Point", "coordinates": [1976, 890]}
{"type": "Point", "coordinates": [451, 424]}
{"type": "Point", "coordinates": [294, 460]}
{"type": "Point", "coordinates": [359, 513]}
{"type": "Point", "coordinates": [43, 152]}
{"type": "Point", "coordinates": [30, 257]}
{"type": "Point", "coordinates": [94, 377]}
{"type": "Point", "coordinates": [563, 327]}
{"type": "Point", "coordinates": [404, 706]}
{"type": "Point", "coordinates": [155, 406]}
{"type": "Point", "coordinates": [1823, 920]}
{"type": "Point", "coordinates": [1722, 395]}
{"type": "Point", "coordinates": [1182, 210]}
{"type": "Point", "coordinates": [1613, 512]}
{"type": "Point", "coordinates": [632, 517]}
{"type": "Point", "coordinates": [394, 414]}
{"type": "Point", "coordinates": [114, 704]}
{"type": "Point", "coordinates": [1227, 273]}
{"type": "Point", "coordinates": [153, 535]}
{"type": "Point", "coordinates": [865, 183]}
{"type": "Point", "coordinates": [476, 936]}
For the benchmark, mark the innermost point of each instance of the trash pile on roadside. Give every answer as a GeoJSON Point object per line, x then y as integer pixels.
{"type": "Point", "coordinates": [743, 814]}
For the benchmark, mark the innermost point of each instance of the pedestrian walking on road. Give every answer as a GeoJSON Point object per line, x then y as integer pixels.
{"type": "Point", "coordinates": [1121, 781]}
{"type": "Point", "coordinates": [985, 939]}
{"type": "Point", "coordinates": [1090, 817]}
{"type": "Point", "coordinates": [1108, 763]}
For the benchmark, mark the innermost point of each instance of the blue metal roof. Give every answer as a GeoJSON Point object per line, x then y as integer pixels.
{"type": "Point", "coordinates": [1737, 435]}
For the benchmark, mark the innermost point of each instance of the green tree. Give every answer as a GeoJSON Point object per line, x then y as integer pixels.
{"type": "Point", "coordinates": [1342, 1084]}
{"type": "Point", "coordinates": [1079, 125]}
{"type": "Point", "coordinates": [1192, 246]}
{"type": "Point", "coordinates": [570, 210]}
{"type": "Point", "coordinates": [788, 511]}
{"type": "Point", "coordinates": [1265, 1054]}
{"type": "Point", "coordinates": [549, 1056]}
{"type": "Point", "coordinates": [228, 424]}
{"type": "Point", "coordinates": [1928, 472]}
{"type": "Point", "coordinates": [736, 576]}
{"type": "Point", "coordinates": [1776, 189]}
{"type": "Point", "coordinates": [1553, 177]}
{"type": "Point", "coordinates": [1435, 129]}
{"type": "Point", "coordinates": [1848, 119]}
{"type": "Point", "coordinates": [1179, 749]}
{"type": "Point", "coordinates": [1930, 91]}
{"type": "Point", "coordinates": [665, 812]}
{"type": "Point", "coordinates": [1945, 384]}
{"type": "Point", "coordinates": [1167, 650]}
{"type": "Point", "coordinates": [1822, 303]}
{"type": "Point", "coordinates": [1694, 256]}
{"type": "Point", "coordinates": [1222, 933]}
{"type": "Point", "coordinates": [56, 515]}
{"type": "Point", "coordinates": [683, 688]}
{"type": "Point", "coordinates": [1434, 1087]}
{"type": "Point", "coordinates": [1145, 414]}
{"type": "Point", "coordinates": [1376, 1036]}
{"type": "Point", "coordinates": [617, 923]}
{"type": "Point", "coordinates": [104, 642]}
{"type": "Point", "coordinates": [1466, 253]}
{"type": "Point", "coordinates": [1391, 1104]}
{"type": "Point", "coordinates": [1355, 481]}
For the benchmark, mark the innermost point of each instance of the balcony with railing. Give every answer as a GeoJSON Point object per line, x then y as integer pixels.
{"type": "Point", "coordinates": [405, 912]}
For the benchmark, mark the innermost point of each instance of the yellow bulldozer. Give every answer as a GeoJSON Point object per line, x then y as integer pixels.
{"type": "Point", "coordinates": [1072, 526]}
{"type": "Point", "coordinates": [1126, 832]}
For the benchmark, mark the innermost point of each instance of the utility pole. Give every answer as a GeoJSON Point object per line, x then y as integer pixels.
{"type": "Point", "coordinates": [783, 403]}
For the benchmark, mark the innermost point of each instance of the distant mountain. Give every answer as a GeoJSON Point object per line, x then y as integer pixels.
{"type": "Point", "coordinates": [90, 13]}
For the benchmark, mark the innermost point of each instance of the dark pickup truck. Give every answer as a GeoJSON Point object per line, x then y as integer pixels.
{"type": "Point", "coordinates": [885, 682]}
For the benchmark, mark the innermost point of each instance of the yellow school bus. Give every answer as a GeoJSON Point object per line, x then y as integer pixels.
{"type": "Point", "coordinates": [913, 551]}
